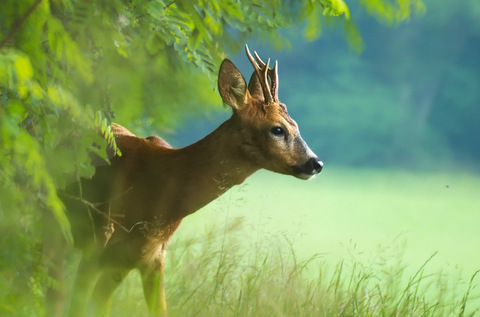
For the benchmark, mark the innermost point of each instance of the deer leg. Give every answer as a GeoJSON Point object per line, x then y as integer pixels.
{"type": "Point", "coordinates": [87, 276]}
{"type": "Point", "coordinates": [105, 289]}
{"type": "Point", "coordinates": [153, 286]}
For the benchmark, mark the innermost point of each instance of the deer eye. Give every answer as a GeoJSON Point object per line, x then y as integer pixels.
{"type": "Point", "coordinates": [277, 131]}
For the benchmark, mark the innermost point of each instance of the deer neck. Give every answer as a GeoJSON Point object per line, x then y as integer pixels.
{"type": "Point", "coordinates": [211, 166]}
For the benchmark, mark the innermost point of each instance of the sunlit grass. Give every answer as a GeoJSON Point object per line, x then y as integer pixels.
{"type": "Point", "coordinates": [432, 211]}
{"type": "Point", "coordinates": [349, 243]}
{"type": "Point", "coordinates": [212, 275]}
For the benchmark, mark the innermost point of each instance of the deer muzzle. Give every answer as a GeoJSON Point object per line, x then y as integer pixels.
{"type": "Point", "coordinates": [309, 169]}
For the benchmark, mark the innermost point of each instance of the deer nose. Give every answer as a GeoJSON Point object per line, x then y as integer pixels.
{"type": "Point", "coordinates": [315, 165]}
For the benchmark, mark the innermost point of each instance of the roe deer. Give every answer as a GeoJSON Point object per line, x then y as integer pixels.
{"type": "Point", "coordinates": [123, 217]}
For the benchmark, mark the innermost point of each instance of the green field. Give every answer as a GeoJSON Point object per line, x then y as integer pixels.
{"type": "Point", "coordinates": [429, 212]}
{"type": "Point", "coordinates": [279, 246]}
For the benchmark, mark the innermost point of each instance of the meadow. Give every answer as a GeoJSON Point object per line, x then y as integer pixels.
{"type": "Point", "coordinates": [348, 243]}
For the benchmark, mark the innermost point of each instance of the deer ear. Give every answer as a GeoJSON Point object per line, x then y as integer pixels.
{"type": "Point", "coordinates": [255, 88]}
{"type": "Point", "coordinates": [232, 85]}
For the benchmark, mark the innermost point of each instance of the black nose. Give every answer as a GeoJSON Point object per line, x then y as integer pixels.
{"type": "Point", "coordinates": [315, 165]}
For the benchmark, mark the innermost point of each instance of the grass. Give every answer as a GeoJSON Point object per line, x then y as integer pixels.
{"type": "Point", "coordinates": [208, 276]}
{"type": "Point", "coordinates": [366, 207]}
{"type": "Point", "coordinates": [367, 243]}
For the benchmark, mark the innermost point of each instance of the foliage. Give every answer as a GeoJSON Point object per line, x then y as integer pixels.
{"type": "Point", "coordinates": [68, 67]}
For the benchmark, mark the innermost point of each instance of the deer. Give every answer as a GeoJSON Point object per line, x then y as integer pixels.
{"type": "Point", "coordinates": [124, 216]}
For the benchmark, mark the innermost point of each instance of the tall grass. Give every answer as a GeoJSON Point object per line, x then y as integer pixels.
{"type": "Point", "coordinates": [215, 275]}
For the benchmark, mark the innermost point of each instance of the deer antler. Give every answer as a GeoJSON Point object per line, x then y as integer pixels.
{"type": "Point", "coordinates": [263, 72]}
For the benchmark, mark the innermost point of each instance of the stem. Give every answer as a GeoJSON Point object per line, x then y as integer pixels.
{"type": "Point", "coordinates": [19, 23]}
{"type": "Point", "coordinates": [168, 5]}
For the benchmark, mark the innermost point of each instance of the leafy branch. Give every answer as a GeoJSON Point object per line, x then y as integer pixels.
{"type": "Point", "coordinates": [19, 24]}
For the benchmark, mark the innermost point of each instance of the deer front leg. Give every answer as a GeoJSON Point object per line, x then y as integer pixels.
{"type": "Point", "coordinates": [153, 286]}
{"type": "Point", "coordinates": [105, 289]}
{"type": "Point", "coordinates": [87, 276]}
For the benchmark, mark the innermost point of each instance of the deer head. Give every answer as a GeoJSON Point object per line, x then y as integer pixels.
{"type": "Point", "coordinates": [268, 135]}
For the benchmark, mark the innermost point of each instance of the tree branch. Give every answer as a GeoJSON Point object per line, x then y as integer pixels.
{"type": "Point", "coordinates": [19, 23]}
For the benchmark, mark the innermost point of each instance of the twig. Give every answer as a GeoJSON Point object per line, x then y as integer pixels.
{"type": "Point", "coordinates": [168, 5]}
{"type": "Point", "coordinates": [19, 23]}
{"type": "Point", "coordinates": [94, 208]}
